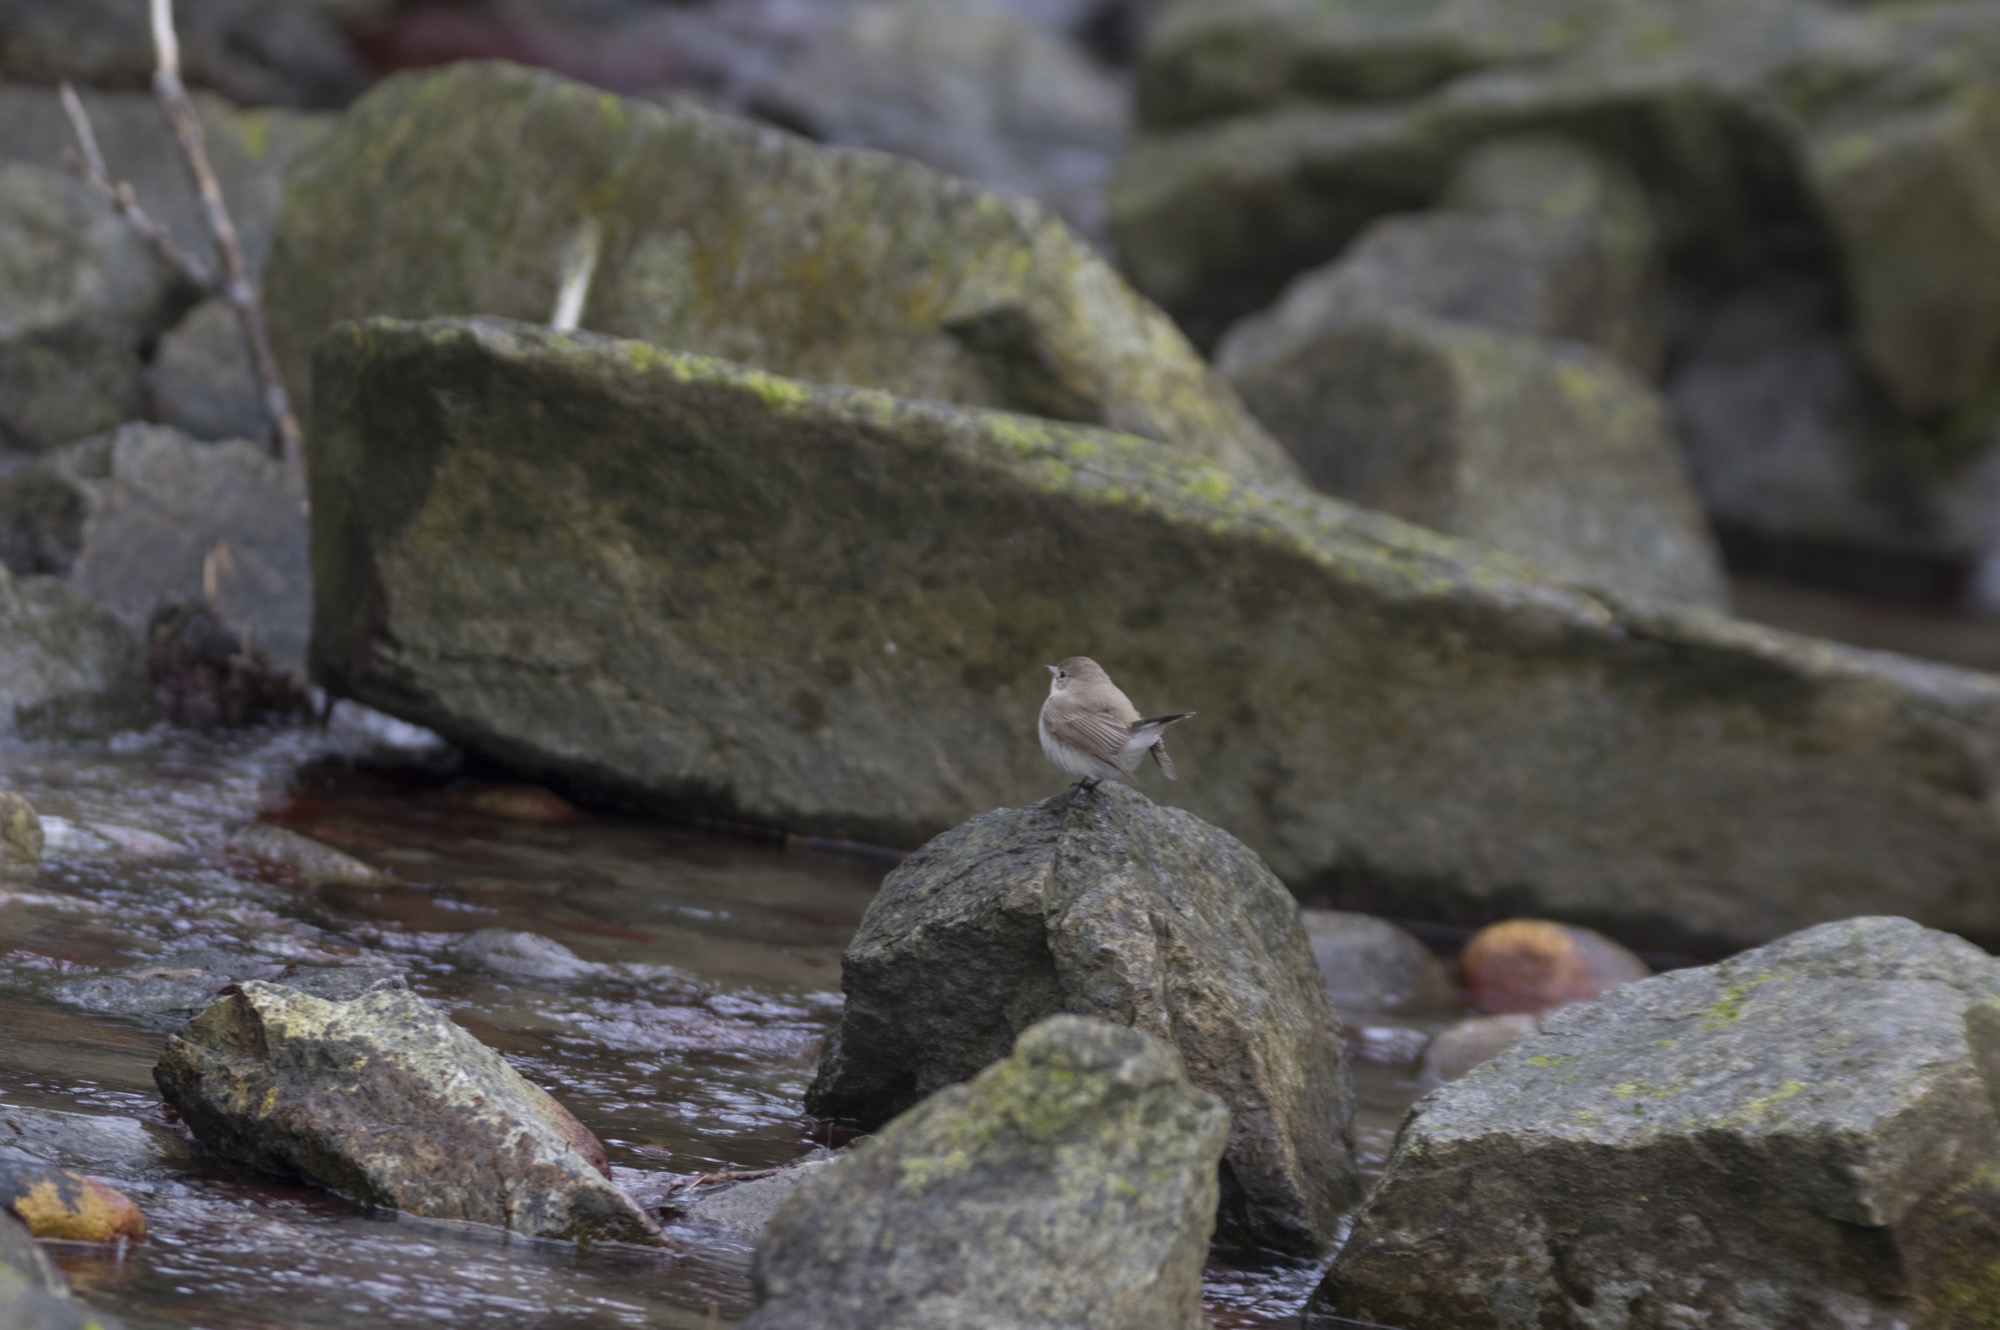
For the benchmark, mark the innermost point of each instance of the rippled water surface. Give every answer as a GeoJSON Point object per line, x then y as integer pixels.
{"type": "Point", "coordinates": [677, 1015]}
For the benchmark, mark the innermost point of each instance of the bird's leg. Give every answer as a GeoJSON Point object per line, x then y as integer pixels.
{"type": "Point", "coordinates": [1081, 788]}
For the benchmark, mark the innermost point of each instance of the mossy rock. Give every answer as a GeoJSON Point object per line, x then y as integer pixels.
{"type": "Point", "coordinates": [1071, 1184]}
{"type": "Point", "coordinates": [1802, 1135]}
{"type": "Point", "coordinates": [827, 609]}
{"type": "Point", "coordinates": [461, 192]}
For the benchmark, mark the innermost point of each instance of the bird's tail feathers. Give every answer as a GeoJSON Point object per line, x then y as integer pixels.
{"type": "Point", "coordinates": [1154, 724]}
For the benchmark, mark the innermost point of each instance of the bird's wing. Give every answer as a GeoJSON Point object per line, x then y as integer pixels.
{"type": "Point", "coordinates": [1159, 751]}
{"type": "Point", "coordinates": [1099, 733]}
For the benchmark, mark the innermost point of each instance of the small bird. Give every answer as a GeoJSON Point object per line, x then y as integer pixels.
{"type": "Point", "coordinates": [1091, 729]}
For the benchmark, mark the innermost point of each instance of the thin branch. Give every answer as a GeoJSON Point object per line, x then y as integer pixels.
{"type": "Point", "coordinates": [235, 285]}
{"type": "Point", "coordinates": [88, 163]}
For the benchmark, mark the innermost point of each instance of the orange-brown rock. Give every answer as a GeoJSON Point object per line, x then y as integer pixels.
{"type": "Point", "coordinates": [1531, 965]}
{"type": "Point", "coordinates": [56, 1203]}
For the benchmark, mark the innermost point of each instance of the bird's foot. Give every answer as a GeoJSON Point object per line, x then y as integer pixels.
{"type": "Point", "coordinates": [1081, 788]}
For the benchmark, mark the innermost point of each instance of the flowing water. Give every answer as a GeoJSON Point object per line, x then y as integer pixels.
{"type": "Point", "coordinates": [672, 992]}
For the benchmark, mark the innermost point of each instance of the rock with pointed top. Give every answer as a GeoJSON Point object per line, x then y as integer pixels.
{"type": "Point", "coordinates": [382, 1098]}
{"type": "Point", "coordinates": [1114, 907]}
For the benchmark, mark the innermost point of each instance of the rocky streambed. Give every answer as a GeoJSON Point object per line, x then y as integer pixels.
{"type": "Point", "coordinates": [669, 988]}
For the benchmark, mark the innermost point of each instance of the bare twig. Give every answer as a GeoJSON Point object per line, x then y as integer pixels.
{"type": "Point", "coordinates": [235, 284]}
{"type": "Point", "coordinates": [89, 165]}
{"type": "Point", "coordinates": [725, 1175]}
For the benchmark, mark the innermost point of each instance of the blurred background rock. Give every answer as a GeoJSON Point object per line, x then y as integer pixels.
{"type": "Point", "coordinates": [1637, 291]}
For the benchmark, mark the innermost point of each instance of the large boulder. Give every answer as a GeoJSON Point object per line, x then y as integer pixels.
{"type": "Point", "coordinates": [1071, 1184]}
{"type": "Point", "coordinates": [723, 238]}
{"type": "Point", "coordinates": [67, 666]}
{"type": "Point", "coordinates": [79, 293]}
{"type": "Point", "coordinates": [146, 517]}
{"type": "Point", "coordinates": [380, 1097]}
{"type": "Point", "coordinates": [1117, 908]}
{"type": "Point", "coordinates": [669, 576]}
{"type": "Point", "coordinates": [975, 90]}
{"type": "Point", "coordinates": [1802, 1135]}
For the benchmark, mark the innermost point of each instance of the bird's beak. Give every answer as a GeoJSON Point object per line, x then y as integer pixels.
{"type": "Point", "coordinates": [1052, 669]}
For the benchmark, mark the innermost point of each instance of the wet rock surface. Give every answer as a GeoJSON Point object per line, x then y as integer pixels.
{"type": "Point", "coordinates": [1119, 909]}
{"type": "Point", "coordinates": [147, 517]}
{"type": "Point", "coordinates": [67, 666]}
{"type": "Point", "coordinates": [383, 1099]}
{"type": "Point", "coordinates": [1668, 773]}
{"type": "Point", "coordinates": [1071, 1183]}
{"type": "Point", "coordinates": [1804, 1134]}
{"type": "Point", "coordinates": [724, 238]}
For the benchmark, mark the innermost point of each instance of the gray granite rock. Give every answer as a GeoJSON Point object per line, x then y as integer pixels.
{"type": "Point", "coordinates": [1802, 1135]}
{"type": "Point", "coordinates": [1070, 1184]}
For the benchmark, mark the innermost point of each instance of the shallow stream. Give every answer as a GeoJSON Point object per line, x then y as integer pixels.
{"type": "Point", "coordinates": [672, 991]}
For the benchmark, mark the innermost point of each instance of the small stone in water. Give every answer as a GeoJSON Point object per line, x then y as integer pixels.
{"type": "Point", "coordinates": [519, 803]}
{"type": "Point", "coordinates": [521, 955]}
{"type": "Point", "coordinates": [1463, 1045]}
{"type": "Point", "coordinates": [1532, 965]}
{"type": "Point", "coordinates": [56, 1203]}
{"type": "Point", "coordinates": [1373, 966]}
{"type": "Point", "coordinates": [292, 855]}
{"type": "Point", "coordinates": [20, 830]}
